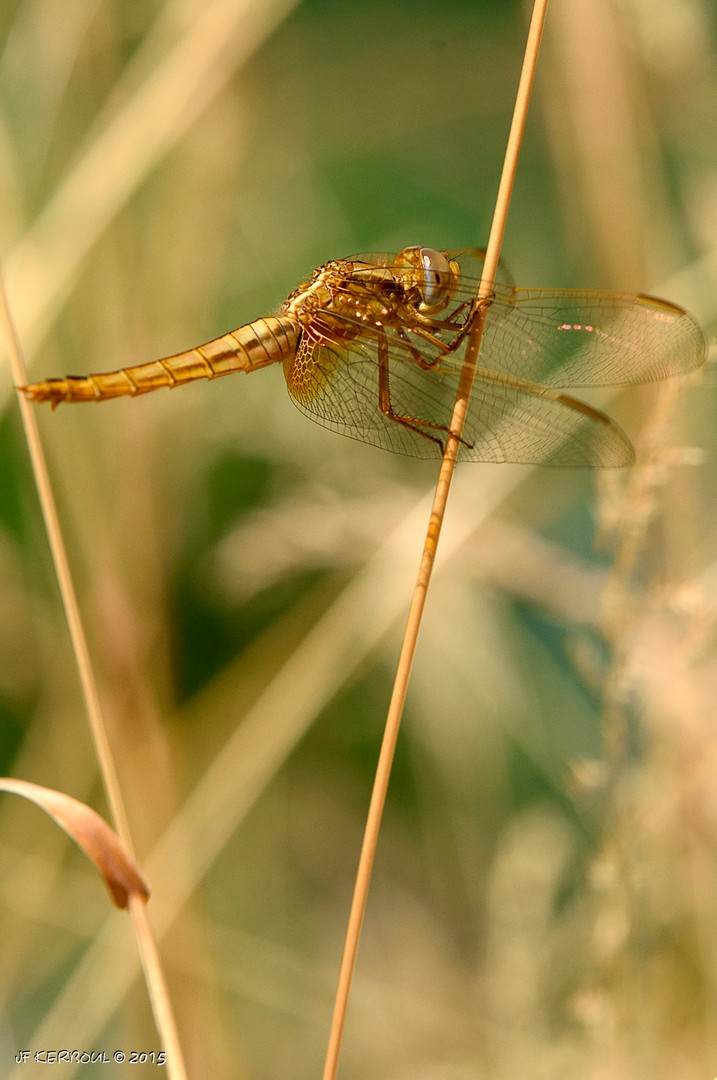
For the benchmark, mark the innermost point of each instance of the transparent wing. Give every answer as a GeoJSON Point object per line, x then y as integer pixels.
{"type": "Point", "coordinates": [576, 338]}
{"type": "Point", "coordinates": [509, 420]}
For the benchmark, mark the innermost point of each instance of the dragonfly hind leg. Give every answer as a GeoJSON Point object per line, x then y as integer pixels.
{"type": "Point", "coordinates": [413, 423]}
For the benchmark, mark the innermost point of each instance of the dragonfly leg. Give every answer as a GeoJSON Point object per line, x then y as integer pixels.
{"type": "Point", "coordinates": [469, 306]}
{"type": "Point", "coordinates": [440, 347]}
{"type": "Point", "coordinates": [410, 422]}
{"type": "Point", "coordinates": [423, 330]}
{"type": "Point", "coordinates": [465, 329]}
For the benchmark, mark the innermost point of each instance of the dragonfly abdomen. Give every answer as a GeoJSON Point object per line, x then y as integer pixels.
{"type": "Point", "coordinates": [263, 342]}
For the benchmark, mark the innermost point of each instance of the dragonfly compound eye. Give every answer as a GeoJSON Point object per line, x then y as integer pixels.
{"type": "Point", "coordinates": [434, 277]}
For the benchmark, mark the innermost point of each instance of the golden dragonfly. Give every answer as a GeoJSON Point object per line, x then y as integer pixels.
{"type": "Point", "coordinates": [373, 347]}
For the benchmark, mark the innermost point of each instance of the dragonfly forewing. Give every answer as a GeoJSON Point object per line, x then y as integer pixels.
{"type": "Point", "coordinates": [577, 338]}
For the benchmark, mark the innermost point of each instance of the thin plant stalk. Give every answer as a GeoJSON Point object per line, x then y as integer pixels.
{"type": "Point", "coordinates": [408, 646]}
{"type": "Point", "coordinates": [146, 941]}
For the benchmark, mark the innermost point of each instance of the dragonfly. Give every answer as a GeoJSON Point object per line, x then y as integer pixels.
{"type": "Point", "coordinates": [373, 347]}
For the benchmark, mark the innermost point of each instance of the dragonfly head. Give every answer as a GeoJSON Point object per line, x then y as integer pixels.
{"type": "Point", "coordinates": [433, 275]}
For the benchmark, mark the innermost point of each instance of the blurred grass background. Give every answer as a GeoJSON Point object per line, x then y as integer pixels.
{"type": "Point", "coordinates": [546, 889]}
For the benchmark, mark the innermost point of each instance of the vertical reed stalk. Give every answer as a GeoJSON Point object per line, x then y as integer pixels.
{"type": "Point", "coordinates": [146, 942]}
{"type": "Point", "coordinates": [395, 711]}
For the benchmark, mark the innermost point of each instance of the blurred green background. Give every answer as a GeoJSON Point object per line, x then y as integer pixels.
{"type": "Point", "coordinates": [546, 887]}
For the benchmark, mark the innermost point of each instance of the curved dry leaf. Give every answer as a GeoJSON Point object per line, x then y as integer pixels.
{"type": "Point", "coordinates": [91, 833]}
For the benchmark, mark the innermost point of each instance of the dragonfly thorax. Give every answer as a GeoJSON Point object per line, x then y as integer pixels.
{"type": "Point", "coordinates": [330, 305]}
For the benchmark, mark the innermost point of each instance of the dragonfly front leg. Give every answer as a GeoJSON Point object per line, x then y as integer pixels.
{"type": "Point", "coordinates": [424, 328]}
{"type": "Point", "coordinates": [413, 423]}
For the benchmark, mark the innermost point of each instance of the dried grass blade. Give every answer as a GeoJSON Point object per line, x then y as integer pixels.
{"type": "Point", "coordinates": [91, 833]}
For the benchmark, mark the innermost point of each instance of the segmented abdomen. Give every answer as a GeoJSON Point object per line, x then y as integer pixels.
{"type": "Point", "coordinates": [265, 341]}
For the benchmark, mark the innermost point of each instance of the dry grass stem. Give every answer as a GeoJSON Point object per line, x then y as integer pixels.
{"type": "Point", "coordinates": [146, 943]}
{"type": "Point", "coordinates": [408, 646]}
